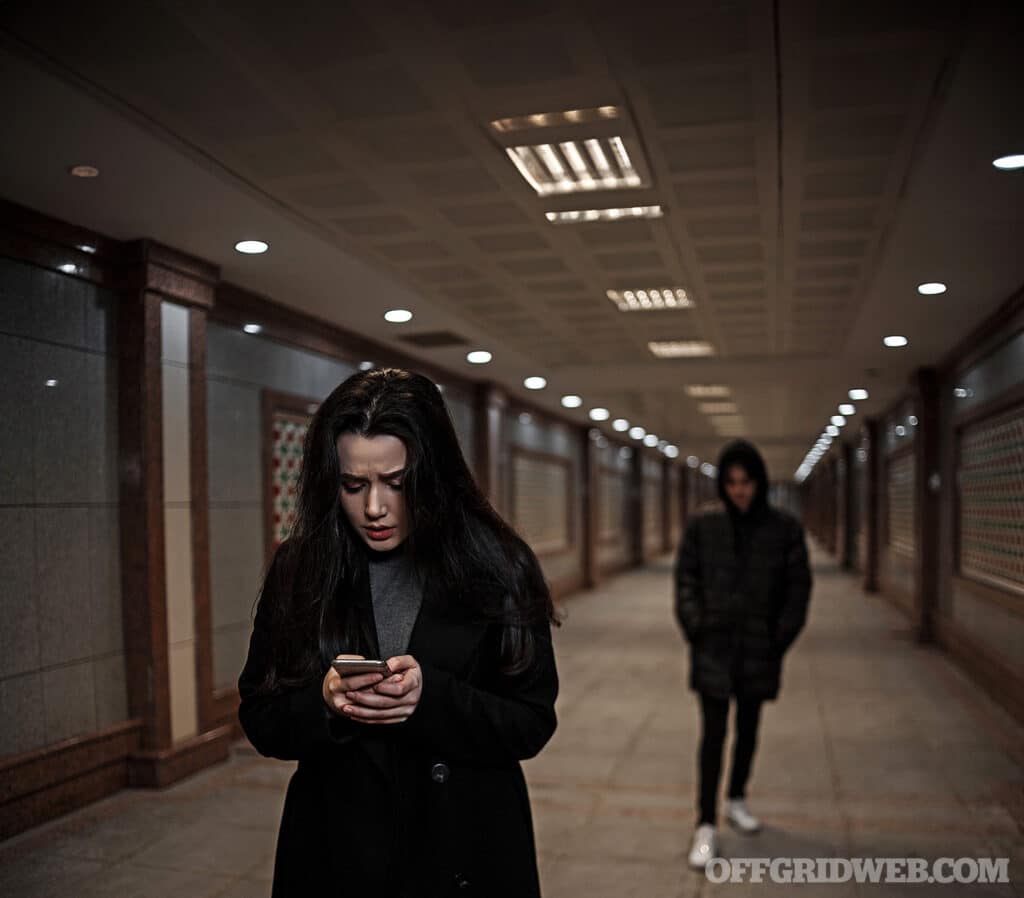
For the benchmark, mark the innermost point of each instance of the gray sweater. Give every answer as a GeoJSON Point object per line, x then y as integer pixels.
{"type": "Point", "coordinates": [397, 595]}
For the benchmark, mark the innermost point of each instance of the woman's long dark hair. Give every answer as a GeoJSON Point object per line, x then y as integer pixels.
{"type": "Point", "coordinates": [469, 560]}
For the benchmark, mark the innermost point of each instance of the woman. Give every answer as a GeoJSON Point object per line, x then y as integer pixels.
{"type": "Point", "coordinates": [408, 785]}
{"type": "Point", "coordinates": [742, 588]}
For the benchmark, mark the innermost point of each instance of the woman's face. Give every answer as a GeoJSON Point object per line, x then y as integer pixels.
{"type": "Point", "coordinates": [372, 469]}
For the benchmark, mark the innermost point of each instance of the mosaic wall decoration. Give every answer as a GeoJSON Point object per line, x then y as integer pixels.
{"type": "Point", "coordinates": [900, 495]}
{"type": "Point", "coordinates": [288, 431]}
{"type": "Point", "coordinates": [991, 478]}
{"type": "Point", "coordinates": [540, 502]}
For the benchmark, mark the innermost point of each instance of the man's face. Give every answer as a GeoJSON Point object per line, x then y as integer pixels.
{"type": "Point", "coordinates": [740, 487]}
{"type": "Point", "coordinates": [371, 495]}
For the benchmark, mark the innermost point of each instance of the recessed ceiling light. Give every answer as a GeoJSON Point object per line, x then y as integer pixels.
{"type": "Point", "coordinates": [857, 395]}
{"type": "Point", "coordinates": [252, 247]}
{"type": "Point", "coordinates": [365, 366]}
{"type": "Point", "coordinates": [68, 268]}
{"type": "Point", "coordinates": [637, 433]}
{"type": "Point", "coordinates": [535, 383]}
{"type": "Point", "coordinates": [708, 469]}
{"type": "Point", "coordinates": [847, 409]}
{"type": "Point", "coordinates": [52, 382]}
{"type": "Point", "coordinates": [934, 288]}
{"type": "Point", "coordinates": [674, 349]}
{"type": "Point", "coordinates": [895, 341]}
{"type": "Point", "coordinates": [577, 216]}
{"type": "Point", "coordinates": [651, 440]}
{"type": "Point", "coordinates": [621, 425]}
{"type": "Point", "coordinates": [839, 420]}
{"type": "Point", "coordinates": [901, 431]}
{"type": "Point", "coordinates": [572, 401]}
{"type": "Point", "coordinates": [650, 300]}
{"type": "Point", "coordinates": [599, 414]}
{"type": "Point", "coordinates": [833, 431]}
{"type": "Point", "coordinates": [692, 461]}
{"type": "Point", "coordinates": [554, 119]}
{"type": "Point", "coordinates": [478, 357]}
{"type": "Point", "coordinates": [717, 408]}
{"type": "Point", "coordinates": [86, 248]}
{"type": "Point", "coordinates": [1009, 163]}
{"type": "Point", "coordinates": [84, 171]}
{"type": "Point", "coordinates": [252, 328]}
{"type": "Point", "coordinates": [672, 451]}
{"type": "Point", "coordinates": [577, 166]}
{"type": "Point", "coordinates": [707, 391]}
{"type": "Point", "coordinates": [398, 316]}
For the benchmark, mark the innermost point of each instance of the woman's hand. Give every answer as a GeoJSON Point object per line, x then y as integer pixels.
{"type": "Point", "coordinates": [336, 686]}
{"type": "Point", "coordinates": [390, 701]}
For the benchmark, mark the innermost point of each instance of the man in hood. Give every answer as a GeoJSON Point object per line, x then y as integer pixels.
{"type": "Point", "coordinates": [742, 589]}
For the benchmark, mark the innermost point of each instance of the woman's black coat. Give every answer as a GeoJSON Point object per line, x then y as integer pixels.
{"type": "Point", "coordinates": [433, 806]}
{"type": "Point", "coordinates": [740, 611]}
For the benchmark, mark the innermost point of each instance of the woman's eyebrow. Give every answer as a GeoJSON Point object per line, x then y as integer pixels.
{"type": "Point", "coordinates": [389, 476]}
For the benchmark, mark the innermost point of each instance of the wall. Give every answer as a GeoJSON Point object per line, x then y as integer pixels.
{"type": "Point", "coordinates": [61, 644]}
{"type": "Point", "coordinates": [653, 506]}
{"type": "Point", "coordinates": [614, 519]}
{"type": "Point", "coordinates": [240, 367]}
{"type": "Point", "coordinates": [898, 546]}
{"type": "Point", "coordinates": [982, 409]}
{"type": "Point", "coordinates": [543, 463]}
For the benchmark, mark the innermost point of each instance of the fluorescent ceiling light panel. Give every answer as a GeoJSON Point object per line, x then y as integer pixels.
{"type": "Point", "coordinates": [578, 216]}
{"type": "Point", "coordinates": [576, 166]}
{"type": "Point", "coordinates": [707, 391]}
{"type": "Point", "coordinates": [677, 349]}
{"type": "Point", "coordinates": [555, 119]}
{"type": "Point", "coordinates": [653, 299]}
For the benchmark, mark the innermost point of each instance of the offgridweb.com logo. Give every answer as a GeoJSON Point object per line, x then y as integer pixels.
{"type": "Point", "coordinates": [800, 870]}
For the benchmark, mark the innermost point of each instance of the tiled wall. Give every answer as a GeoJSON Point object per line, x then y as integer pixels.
{"type": "Point", "coordinates": [653, 501]}
{"type": "Point", "coordinates": [180, 595]}
{"type": "Point", "coordinates": [61, 645]}
{"type": "Point", "coordinates": [614, 546]}
{"type": "Point", "coordinates": [531, 432]}
{"type": "Point", "coordinates": [998, 629]}
{"type": "Point", "coordinates": [239, 367]}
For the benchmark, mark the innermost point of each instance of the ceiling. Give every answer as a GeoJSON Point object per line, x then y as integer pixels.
{"type": "Point", "coordinates": [815, 161]}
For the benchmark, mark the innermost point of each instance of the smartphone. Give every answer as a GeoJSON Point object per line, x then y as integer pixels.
{"type": "Point", "coordinates": [350, 667]}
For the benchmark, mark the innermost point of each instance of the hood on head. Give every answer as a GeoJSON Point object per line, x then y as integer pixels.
{"type": "Point", "coordinates": [740, 452]}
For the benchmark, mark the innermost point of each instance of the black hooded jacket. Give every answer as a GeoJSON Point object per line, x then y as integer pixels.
{"type": "Point", "coordinates": [742, 588]}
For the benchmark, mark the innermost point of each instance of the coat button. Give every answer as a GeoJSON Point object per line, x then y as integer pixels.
{"type": "Point", "coordinates": [439, 773]}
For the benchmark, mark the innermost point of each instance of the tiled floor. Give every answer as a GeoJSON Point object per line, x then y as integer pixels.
{"type": "Point", "coordinates": [876, 748]}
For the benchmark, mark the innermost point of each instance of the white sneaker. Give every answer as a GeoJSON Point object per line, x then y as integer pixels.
{"type": "Point", "coordinates": [705, 846]}
{"type": "Point", "coordinates": [738, 814]}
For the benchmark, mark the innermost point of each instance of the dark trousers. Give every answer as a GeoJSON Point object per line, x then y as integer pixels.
{"type": "Point", "coordinates": [715, 712]}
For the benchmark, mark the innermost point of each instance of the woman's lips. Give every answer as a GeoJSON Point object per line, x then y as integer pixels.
{"type": "Point", "coordinates": [379, 533]}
